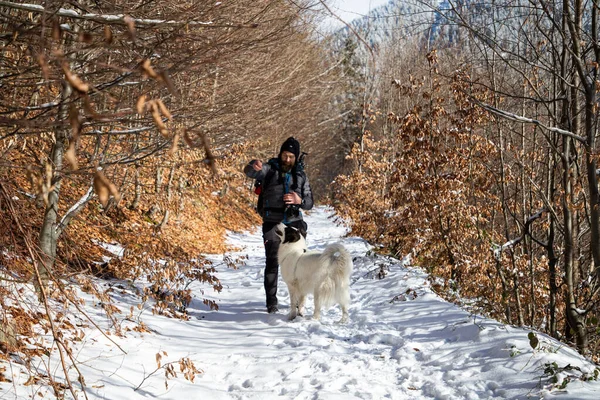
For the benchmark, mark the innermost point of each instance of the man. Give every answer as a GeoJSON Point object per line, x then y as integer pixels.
{"type": "Point", "coordinates": [285, 190]}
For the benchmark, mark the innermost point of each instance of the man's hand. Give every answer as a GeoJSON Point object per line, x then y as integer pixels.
{"type": "Point", "coordinates": [292, 198]}
{"type": "Point", "coordinates": [257, 165]}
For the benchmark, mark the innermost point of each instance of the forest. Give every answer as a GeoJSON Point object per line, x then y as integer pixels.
{"type": "Point", "coordinates": [465, 138]}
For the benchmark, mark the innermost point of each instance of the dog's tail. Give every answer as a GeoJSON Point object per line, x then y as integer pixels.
{"type": "Point", "coordinates": [335, 285]}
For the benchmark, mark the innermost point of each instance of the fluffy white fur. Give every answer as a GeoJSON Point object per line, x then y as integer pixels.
{"type": "Point", "coordinates": [325, 275]}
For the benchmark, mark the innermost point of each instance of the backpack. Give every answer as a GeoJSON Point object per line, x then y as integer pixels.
{"type": "Point", "coordinates": [259, 183]}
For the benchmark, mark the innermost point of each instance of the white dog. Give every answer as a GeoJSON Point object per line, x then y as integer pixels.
{"type": "Point", "coordinates": [326, 275]}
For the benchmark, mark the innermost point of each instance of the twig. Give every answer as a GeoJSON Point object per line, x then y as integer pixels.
{"type": "Point", "coordinates": [13, 213]}
{"type": "Point", "coordinates": [152, 373]}
{"type": "Point", "coordinates": [525, 120]}
{"type": "Point", "coordinates": [360, 38]}
{"type": "Point", "coordinates": [44, 299]}
{"type": "Point", "coordinates": [119, 19]}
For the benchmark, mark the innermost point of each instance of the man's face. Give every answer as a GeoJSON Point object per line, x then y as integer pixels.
{"type": "Point", "coordinates": [288, 160]}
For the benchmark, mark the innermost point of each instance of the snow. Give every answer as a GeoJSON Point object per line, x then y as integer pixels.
{"type": "Point", "coordinates": [402, 341]}
{"type": "Point", "coordinates": [113, 248]}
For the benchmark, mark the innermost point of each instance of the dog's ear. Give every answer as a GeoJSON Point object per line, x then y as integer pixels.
{"type": "Point", "coordinates": [279, 231]}
{"type": "Point", "coordinates": [302, 232]}
{"type": "Point", "coordinates": [291, 235]}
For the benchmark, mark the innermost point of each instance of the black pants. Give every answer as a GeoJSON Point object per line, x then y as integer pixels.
{"type": "Point", "coordinates": [272, 242]}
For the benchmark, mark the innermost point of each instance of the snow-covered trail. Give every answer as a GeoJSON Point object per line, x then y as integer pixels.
{"type": "Point", "coordinates": [401, 342]}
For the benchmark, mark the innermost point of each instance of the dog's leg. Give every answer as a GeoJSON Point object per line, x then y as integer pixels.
{"type": "Point", "coordinates": [344, 301]}
{"type": "Point", "coordinates": [344, 318]}
{"type": "Point", "coordinates": [293, 302]}
{"type": "Point", "coordinates": [317, 313]}
{"type": "Point", "coordinates": [301, 305]}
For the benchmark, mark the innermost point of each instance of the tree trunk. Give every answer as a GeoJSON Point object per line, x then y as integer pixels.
{"type": "Point", "coordinates": [590, 129]}
{"type": "Point", "coordinates": [552, 261]}
{"type": "Point", "coordinates": [181, 197]}
{"type": "Point", "coordinates": [517, 295]}
{"type": "Point", "coordinates": [48, 234]}
{"type": "Point", "coordinates": [592, 177]}
{"type": "Point", "coordinates": [575, 320]}
{"type": "Point", "coordinates": [158, 180]}
{"type": "Point", "coordinates": [138, 190]}
{"type": "Point", "coordinates": [170, 184]}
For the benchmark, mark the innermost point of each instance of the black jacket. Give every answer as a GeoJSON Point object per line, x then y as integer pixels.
{"type": "Point", "coordinates": [274, 187]}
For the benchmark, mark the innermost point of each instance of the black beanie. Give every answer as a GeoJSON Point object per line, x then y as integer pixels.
{"type": "Point", "coordinates": [291, 145]}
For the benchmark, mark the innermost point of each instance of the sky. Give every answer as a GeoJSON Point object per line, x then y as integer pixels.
{"type": "Point", "coordinates": [348, 10]}
{"type": "Point", "coordinates": [401, 342]}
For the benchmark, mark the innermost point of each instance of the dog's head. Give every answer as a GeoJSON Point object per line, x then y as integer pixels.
{"type": "Point", "coordinates": [289, 234]}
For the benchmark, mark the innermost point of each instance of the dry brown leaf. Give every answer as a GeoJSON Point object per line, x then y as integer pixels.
{"type": "Point", "coordinates": [102, 191]}
{"type": "Point", "coordinates": [46, 187]}
{"type": "Point", "coordinates": [108, 36]}
{"type": "Point", "coordinates": [114, 191]}
{"type": "Point", "coordinates": [86, 37]}
{"type": "Point", "coordinates": [164, 110]}
{"type": "Point", "coordinates": [31, 381]}
{"type": "Point", "coordinates": [148, 70]}
{"type": "Point", "coordinates": [158, 119]}
{"type": "Point", "coordinates": [192, 141]}
{"type": "Point", "coordinates": [3, 378]}
{"type": "Point", "coordinates": [74, 80]}
{"type": "Point", "coordinates": [164, 76]}
{"type": "Point", "coordinates": [130, 26]}
{"type": "Point", "coordinates": [105, 188]}
{"type": "Point", "coordinates": [175, 146]}
{"type": "Point", "coordinates": [209, 155]}
{"type": "Point", "coordinates": [74, 121]}
{"type": "Point", "coordinates": [56, 30]}
{"type": "Point", "coordinates": [139, 106]}
{"type": "Point", "coordinates": [87, 105]}
{"type": "Point", "coordinates": [71, 157]}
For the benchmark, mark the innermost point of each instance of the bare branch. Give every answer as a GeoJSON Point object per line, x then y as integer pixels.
{"type": "Point", "coordinates": [360, 38]}
{"type": "Point", "coordinates": [518, 118]}
{"type": "Point", "coordinates": [74, 210]}
{"type": "Point", "coordinates": [119, 19]}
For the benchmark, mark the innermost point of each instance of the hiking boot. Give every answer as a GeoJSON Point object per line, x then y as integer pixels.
{"type": "Point", "coordinates": [272, 309]}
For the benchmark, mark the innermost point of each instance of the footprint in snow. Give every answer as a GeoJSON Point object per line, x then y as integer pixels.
{"type": "Point", "coordinates": [247, 384]}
